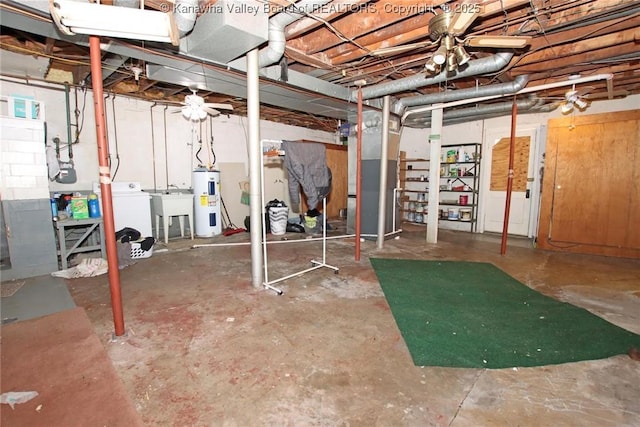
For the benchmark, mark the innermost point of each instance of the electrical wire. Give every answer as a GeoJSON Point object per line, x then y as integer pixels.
{"type": "Point", "coordinates": [211, 141]}
{"type": "Point", "coordinates": [115, 135]}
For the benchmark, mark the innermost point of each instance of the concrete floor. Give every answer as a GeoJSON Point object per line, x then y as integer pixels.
{"type": "Point", "coordinates": [205, 348]}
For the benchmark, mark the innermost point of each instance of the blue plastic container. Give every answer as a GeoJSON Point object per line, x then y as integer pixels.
{"type": "Point", "coordinates": [94, 206]}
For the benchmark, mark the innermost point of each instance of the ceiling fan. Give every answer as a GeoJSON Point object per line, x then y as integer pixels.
{"type": "Point", "coordinates": [447, 29]}
{"type": "Point", "coordinates": [196, 109]}
{"type": "Point", "coordinates": [575, 99]}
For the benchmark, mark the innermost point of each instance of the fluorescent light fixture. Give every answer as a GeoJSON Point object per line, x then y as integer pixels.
{"type": "Point", "coordinates": [74, 17]}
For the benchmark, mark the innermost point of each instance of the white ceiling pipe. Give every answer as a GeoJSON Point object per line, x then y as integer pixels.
{"type": "Point", "coordinates": [520, 92]}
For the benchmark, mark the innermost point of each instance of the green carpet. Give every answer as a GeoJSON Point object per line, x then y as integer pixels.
{"type": "Point", "coordinates": [473, 315]}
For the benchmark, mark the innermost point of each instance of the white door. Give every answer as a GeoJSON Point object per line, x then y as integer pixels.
{"type": "Point", "coordinates": [496, 164]}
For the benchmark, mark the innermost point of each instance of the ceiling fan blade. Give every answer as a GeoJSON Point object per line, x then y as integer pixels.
{"type": "Point", "coordinates": [461, 20]}
{"type": "Point", "coordinates": [399, 49]}
{"type": "Point", "coordinates": [214, 105]}
{"type": "Point", "coordinates": [497, 41]}
{"type": "Point", "coordinates": [211, 111]}
{"type": "Point", "coordinates": [585, 90]}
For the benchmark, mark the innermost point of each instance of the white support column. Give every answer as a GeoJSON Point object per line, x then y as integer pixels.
{"type": "Point", "coordinates": [255, 156]}
{"type": "Point", "coordinates": [435, 144]}
{"type": "Point", "coordinates": [382, 195]}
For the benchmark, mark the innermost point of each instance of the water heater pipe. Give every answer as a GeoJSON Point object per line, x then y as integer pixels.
{"type": "Point", "coordinates": [507, 204]}
{"type": "Point", "coordinates": [358, 177]}
{"type": "Point", "coordinates": [105, 185]}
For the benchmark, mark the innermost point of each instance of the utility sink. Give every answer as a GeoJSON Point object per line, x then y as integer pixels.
{"type": "Point", "coordinates": [169, 205]}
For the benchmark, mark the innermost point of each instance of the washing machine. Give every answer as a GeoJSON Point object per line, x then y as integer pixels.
{"type": "Point", "coordinates": [131, 206]}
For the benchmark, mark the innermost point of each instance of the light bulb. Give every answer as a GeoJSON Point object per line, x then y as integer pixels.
{"type": "Point", "coordinates": [452, 63]}
{"type": "Point", "coordinates": [461, 55]}
{"type": "Point", "coordinates": [431, 66]}
{"type": "Point", "coordinates": [440, 56]}
{"type": "Point", "coordinates": [567, 108]}
{"type": "Point", "coordinates": [580, 103]}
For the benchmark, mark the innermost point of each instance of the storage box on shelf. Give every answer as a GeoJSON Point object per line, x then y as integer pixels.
{"type": "Point", "coordinates": [414, 181]}
{"type": "Point", "coordinates": [459, 183]}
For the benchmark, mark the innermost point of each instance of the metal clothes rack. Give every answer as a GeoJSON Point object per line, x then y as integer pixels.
{"type": "Point", "coordinates": [276, 149]}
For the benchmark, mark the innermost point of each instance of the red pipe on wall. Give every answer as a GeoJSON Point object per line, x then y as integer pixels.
{"type": "Point", "coordinates": [358, 173]}
{"type": "Point", "coordinates": [507, 204]}
{"type": "Point", "coordinates": [105, 185]}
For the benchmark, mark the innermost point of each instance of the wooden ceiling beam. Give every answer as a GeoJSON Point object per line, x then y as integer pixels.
{"type": "Point", "coordinates": [355, 25]}
{"type": "Point", "coordinates": [536, 79]}
{"type": "Point", "coordinates": [584, 46]}
{"type": "Point", "coordinates": [410, 30]}
{"type": "Point", "coordinates": [318, 60]}
{"type": "Point", "coordinates": [326, 13]}
{"type": "Point", "coordinates": [586, 58]}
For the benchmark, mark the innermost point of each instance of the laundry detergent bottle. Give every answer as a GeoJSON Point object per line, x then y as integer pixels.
{"type": "Point", "coordinates": [94, 206]}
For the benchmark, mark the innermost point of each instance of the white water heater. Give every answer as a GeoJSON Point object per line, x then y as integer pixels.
{"type": "Point", "coordinates": [207, 201]}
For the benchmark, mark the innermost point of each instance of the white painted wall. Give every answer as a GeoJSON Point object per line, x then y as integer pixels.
{"type": "Point", "coordinates": [416, 140]}
{"type": "Point", "coordinates": [23, 174]}
{"type": "Point", "coordinates": [143, 149]}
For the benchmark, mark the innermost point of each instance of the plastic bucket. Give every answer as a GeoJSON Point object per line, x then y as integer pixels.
{"type": "Point", "coordinates": [278, 217]}
{"type": "Point", "coordinates": [453, 214]}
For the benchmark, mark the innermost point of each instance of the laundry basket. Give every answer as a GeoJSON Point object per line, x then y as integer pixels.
{"type": "Point", "coordinates": [278, 219]}
{"type": "Point", "coordinates": [137, 252]}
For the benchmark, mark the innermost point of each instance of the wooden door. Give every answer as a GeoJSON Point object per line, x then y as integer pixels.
{"type": "Point", "coordinates": [591, 187]}
{"type": "Point", "coordinates": [520, 210]}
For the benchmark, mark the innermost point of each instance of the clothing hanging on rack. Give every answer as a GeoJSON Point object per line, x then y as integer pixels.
{"type": "Point", "coordinates": [306, 163]}
{"type": "Point", "coordinates": [303, 160]}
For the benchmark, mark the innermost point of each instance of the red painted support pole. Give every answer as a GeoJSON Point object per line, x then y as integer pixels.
{"type": "Point", "coordinates": [105, 185]}
{"type": "Point", "coordinates": [507, 204]}
{"type": "Point", "coordinates": [358, 175]}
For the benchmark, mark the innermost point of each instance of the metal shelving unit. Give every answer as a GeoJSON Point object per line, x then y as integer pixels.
{"type": "Point", "coordinates": [414, 186]}
{"type": "Point", "coordinates": [460, 178]}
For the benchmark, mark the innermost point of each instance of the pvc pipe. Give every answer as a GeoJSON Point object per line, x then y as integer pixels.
{"type": "Point", "coordinates": [382, 194]}
{"type": "Point", "coordinates": [255, 156]}
{"type": "Point", "coordinates": [105, 186]}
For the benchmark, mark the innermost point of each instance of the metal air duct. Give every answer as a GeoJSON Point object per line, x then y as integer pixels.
{"type": "Point", "coordinates": [184, 15]}
{"type": "Point", "coordinates": [454, 95]}
{"type": "Point", "coordinates": [477, 112]}
{"type": "Point", "coordinates": [474, 68]}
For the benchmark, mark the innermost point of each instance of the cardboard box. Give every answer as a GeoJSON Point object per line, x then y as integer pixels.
{"type": "Point", "coordinates": [79, 208]}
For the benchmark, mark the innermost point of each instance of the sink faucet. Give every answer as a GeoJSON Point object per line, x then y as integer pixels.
{"type": "Point", "coordinates": [171, 185]}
